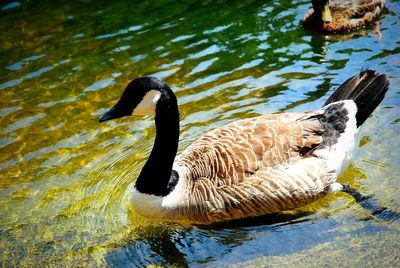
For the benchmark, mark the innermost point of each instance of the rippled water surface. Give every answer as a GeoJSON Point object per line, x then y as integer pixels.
{"type": "Point", "coordinates": [65, 179]}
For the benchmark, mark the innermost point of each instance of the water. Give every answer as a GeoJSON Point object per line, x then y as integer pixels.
{"type": "Point", "coordinates": [65, 179]}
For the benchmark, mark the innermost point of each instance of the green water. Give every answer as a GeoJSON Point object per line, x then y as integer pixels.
{"type": "Point", "coordinates": [65, 179]}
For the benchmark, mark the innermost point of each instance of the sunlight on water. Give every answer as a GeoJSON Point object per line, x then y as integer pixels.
{"type": "Point", "coordinates": [65, 180]}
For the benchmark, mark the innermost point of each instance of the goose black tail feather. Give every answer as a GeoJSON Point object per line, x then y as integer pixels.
{"type": "Point", "coordinates": [371, 204]}
{"type": "Point", "coordinates": [367, 89]}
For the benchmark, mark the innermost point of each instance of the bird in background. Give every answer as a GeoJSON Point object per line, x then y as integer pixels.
{"type": "Point", "coordinates": [336, 16]}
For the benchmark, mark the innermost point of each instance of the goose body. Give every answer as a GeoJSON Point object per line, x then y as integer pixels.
{"type": "Point", "coordinates": [250, 167]}
{"type": "Point", "coordinates": [341, 15]}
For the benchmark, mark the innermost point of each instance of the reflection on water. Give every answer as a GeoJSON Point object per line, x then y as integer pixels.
{"type": "Point", "coordinates": [65, 180]}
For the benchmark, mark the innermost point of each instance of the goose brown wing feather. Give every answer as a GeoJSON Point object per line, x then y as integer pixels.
{"type": "Point", "coordinates": [231, 153]}
{"type": "Point", "coordinates": [254, 166]}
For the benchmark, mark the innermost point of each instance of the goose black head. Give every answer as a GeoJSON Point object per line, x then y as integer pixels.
{"type": "Point", "coordinates": [322, 10]}
{"type": "Point", "coordinates": [140, 97]}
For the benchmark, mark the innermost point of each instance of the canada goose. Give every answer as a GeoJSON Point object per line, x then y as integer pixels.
{"type": "Point", "coordinates": [338, 15]}
{"type": "Point", "coordinates": [250, 167]}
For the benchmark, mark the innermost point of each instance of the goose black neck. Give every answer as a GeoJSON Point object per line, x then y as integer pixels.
{"type": "Point", "coordinates": [157, 176]}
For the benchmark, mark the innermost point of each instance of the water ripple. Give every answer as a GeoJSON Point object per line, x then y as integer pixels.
{"type": "Point", "coordinates": [66, 180]}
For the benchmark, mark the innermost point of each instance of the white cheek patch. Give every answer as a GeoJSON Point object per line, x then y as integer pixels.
{"type": "Point", "coordinates": [148, 105]}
